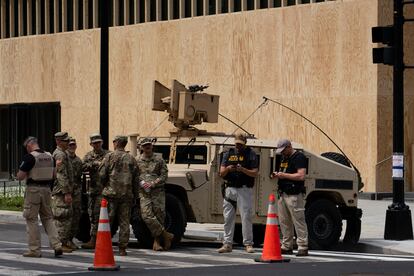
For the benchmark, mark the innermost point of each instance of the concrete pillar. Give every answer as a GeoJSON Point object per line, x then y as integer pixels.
{"type": "Point", "coordinates": [231, 6]}
{"type": "Point", "coordinates": [38, 26]}
{"type": "Point", "coordinates": [193, 8]}
{"type": "Point", "coordinates": [218, 6]}
{"type": "Point", "coordinates": [244, 5]}
{"type": "Point", "coordinates": [47, 17]}
{"type": "Point", "coordinates": [115, 13]}
{"type": "Point", "coordinates": [56, 13]}
{"type": "Point", "coordinates": [11, 19]}
{"type": "Point", "coordinates": [206, 9]}
{"type": "Point", "coordinates": [126, 12]}
{"type": "Point", "coordinates": [85, 14]}
{"type": "Point", "coordinates": [158, 10]}
{"type": "Point", "coordinates": [147, 10]}
{"type": "Point", "coordinates": [64, 14]}
{"type": "Point", "coordinates": [136, 11]}
{"type": "Point", "coordinates": [3, 18]}
{"type": "Point", "coordinates": [95, 13]}
{"type": "Point", "coordinates": [170, 10]}
{"type": "Point", "coordinates": [29, 17]}
{"type": "Point", "coordinates": [75, 14]}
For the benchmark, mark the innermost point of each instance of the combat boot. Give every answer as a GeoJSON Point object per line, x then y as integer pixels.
{"type": "Point", "coordinates": [72, 245]}
{"type": "Point", "coordinates": [226, 248]}
{"type": "Point", "coordinates": [157, 245]}
{"type": "Point", "coordinates": [32, 254]}
{"type": "Point", "coordinates": [167, 237]}
{"type": "Point", "coordinates": [122, 251]}
{"type": "Point", "coordinates": [58, 252]}
{"type": "Point", "coordinates": [66, 248]}
{"type": "Point", "coordinates": [90, 244]}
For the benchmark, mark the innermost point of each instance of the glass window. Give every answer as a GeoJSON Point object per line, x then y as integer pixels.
{"type": "Point", "coordinates": [164, 151]}
{"type": "Point", "coordinates": [191, 155]}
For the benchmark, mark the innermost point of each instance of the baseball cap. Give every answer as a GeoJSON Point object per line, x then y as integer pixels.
{"type": "Point", "coordinates": [120, 138]}
{"type": "Point", "coordinates": [96, 137]}
{"type": "Point", "coordinates": [281, 145]}
{"type": "Point", "coordinates": [146, 141]}
{"type": "Point", "coordinates": [28, 140]}
{"type": "Point", "coordinates": [62, 136]}
{"type": "Point", "coordinates": [240, 138]}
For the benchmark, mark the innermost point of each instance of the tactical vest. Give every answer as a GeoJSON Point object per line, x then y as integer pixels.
{"type": "Point", "coordinates": [238, 179]}
{"type": "Point", "coordinates": [43, 169]}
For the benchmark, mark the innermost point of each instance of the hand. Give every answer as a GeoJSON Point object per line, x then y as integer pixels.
{"type": "Point", "coordinates": [231, 168]}
{"type": "Point", "coordinates": [281, 175]}
{"type": "Point", "coordinates": [274, 175]}
{"type": "Point", "coordinates": [68, 198]}
{"type": "Point", "coordinates": [239, 168]}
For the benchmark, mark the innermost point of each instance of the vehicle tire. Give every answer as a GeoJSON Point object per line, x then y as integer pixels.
{"type": "Point", "coordinates": [353, 230]}
{"type": "Point", "coordinates": [324, 223]}
{"type": "Point", "coordinates": [140, 229]}
{"type": "Point", "coordinates": [238, 235]}
{"type": "Point", "coordinates": [175, 222]}
{"type": "Point", "coordinates": [337, 157]}
{"type": "Point", "coordinates": [84, 233]}
{"type": "Point", "coordinates": [175, 217]}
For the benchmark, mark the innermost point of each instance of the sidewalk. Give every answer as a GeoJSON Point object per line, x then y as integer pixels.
{"type": "Point", "coordinates": [372, 232]}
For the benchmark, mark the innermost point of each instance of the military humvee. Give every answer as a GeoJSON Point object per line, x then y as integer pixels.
{"type": "Point", "coordinates": [193, 188]}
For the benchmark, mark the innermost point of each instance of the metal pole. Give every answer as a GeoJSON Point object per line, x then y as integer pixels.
{"type": "Point", "coordinates": [104, 14]}
{"type": "Point", "coordinates": [398, 225]}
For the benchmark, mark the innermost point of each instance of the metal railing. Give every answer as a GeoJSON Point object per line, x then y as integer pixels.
{"type": "Point", "coordinates": [12, 188]}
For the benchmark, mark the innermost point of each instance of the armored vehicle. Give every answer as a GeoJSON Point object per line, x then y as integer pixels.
{"type": "Point", "coordinates": [193, 188]}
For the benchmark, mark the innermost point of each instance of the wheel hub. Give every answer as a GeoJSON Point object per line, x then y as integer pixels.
{"type": "Point", "coordinates": [322, 226]}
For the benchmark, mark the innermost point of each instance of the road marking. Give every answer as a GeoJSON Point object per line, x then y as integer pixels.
{"type": "Point", "coordinates": [360, 256]}
{"type": "Point", "coordinates": [42, 261]}
{"type": "Point", "coordinates": [5, 270]}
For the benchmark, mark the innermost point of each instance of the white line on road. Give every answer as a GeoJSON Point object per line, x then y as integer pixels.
{"type": "Point", "coordinates": [374, 257]}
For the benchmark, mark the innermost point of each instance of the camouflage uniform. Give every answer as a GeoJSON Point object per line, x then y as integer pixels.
{"type": "Point", "coordinates": [62, 212]}
{"type": "Point", "coordinates": [153, 169]}
{"type": "Point", "coordinates": [119, 176]}
{"type": "Point", "coordinates": [77, 193]}
{"type": "Point", "coordinates": [91, 163]}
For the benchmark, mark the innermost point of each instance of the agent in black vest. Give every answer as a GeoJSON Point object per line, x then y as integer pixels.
{"type": "Point", "coordinates": [291, 203]}
{"type": "Point", "coordinates": [239, 168]}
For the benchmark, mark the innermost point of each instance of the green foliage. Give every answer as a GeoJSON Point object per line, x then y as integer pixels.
{"type": "Point", "coordinates": [11, 203]}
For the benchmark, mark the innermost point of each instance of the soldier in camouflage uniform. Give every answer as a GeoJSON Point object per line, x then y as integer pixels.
{"type": "Point", "coordinates": [153, 173]}
{"type": "Point", "coordinates": [119, 176]}
{"type": "Point", "coordinates": [91, 163]}
{"type": "Point", "coordinates": [62, 191]}
{"type": "Point", "coordinates": [77, 190]}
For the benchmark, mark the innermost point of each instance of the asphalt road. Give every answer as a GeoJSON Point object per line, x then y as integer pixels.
{"type": "Point", "coordinates": [192, 258]}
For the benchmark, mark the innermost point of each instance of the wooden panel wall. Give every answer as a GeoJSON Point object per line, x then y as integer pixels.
{"type": "Point", "coordinates": [314, 58]}
{"type": "Point", "coordinates": [55, 68]}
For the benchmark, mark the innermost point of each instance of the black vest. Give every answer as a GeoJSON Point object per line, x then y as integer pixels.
{"type": "Point", "coordinates": [238, 179]}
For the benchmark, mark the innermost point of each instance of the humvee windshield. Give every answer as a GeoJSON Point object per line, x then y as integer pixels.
{"type": "Point", "coordinates": [185, 154]}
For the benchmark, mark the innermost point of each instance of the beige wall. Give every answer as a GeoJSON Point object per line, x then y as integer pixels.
{"type": "Point", "coordinates": [55, 68]}
{"type": "Point", "coordinates": [314, 58]}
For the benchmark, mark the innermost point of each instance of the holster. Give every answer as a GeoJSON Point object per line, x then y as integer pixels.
{"type": "Point", "coordinates": [223, 193]}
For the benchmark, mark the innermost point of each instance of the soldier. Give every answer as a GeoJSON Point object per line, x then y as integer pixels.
{"type": "Point", "coordinates": [62, 191]}
{"type": "Point", "coordinates": [91, 163]}
{"type": "Point", "coordinates": [38, 170]}
{"type": "Point", "coordinates": [152, 175]}
{"type": "Point", "coordinates": [77, 190]}
{"type": "Point", "coordinates": [119, 176]}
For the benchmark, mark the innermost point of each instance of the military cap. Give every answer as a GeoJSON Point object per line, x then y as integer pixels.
{"type": "Point", "coordinates": [120, 138]}
{"type": "Point", "coordinates": [96, 137]}
{"type": "Point", "coordinates": [63, 136]}
{"type": "Point", "coordinates": [72, 141]}
{"type": "Point", "coordinates": [28, 140]}
{"type": "Point", "coordinates": [146, 141]}
{"type": "Point", "coordinates": [240, 138]}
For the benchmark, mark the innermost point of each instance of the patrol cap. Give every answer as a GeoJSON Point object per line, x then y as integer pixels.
{"type": "Point", "coordinates": [28, 140]}
{"type": "Point", "coordinates": [240, 138]}
{"type": "Point", "coordinates": [72, 141]}
{"type": "Point", "coordinates": [281, 145]}
{"type": "Point", "coordinates": [96, 137]}
{"type": "Point", "coordinates": [146, 141]}
{"type": "Point", "coordinates": [62, 136]}
{"type": "Point", "coordinates": [120, 138]}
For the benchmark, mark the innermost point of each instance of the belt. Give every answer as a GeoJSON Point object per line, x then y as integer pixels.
{"type": "Point", "coordinates": [37, 185]}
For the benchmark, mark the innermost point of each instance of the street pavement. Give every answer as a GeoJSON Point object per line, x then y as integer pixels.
{"type": "Point", "coordinates": [196, 254]}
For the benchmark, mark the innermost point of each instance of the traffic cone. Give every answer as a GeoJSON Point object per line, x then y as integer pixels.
{"type": "Point", "coordinates": [271, 248]}
{"type": "Point", "coordinates": [104, 255]}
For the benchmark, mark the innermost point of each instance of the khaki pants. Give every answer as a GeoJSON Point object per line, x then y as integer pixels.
{"type": "Point", "coordinates": [37, 203]}
{"type": "Point", "coordinates": [291, 211]}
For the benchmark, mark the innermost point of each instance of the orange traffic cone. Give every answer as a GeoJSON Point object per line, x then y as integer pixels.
{"type": "Point", "coordinates": [104, 255]}
{"type": "Point", "coordinates": [271, 248]}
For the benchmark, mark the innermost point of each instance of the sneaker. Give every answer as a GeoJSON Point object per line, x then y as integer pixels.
{"type": "Point", "coordinates": [226, 248]}
{"type": "Point", "coordinates": [58, 252]}
{"type": "Point", "coordinates": [249, 249]}
{"type": "Point", "coordinates": [31, 254]}
{"type": "Point", "coordinates": [302, 253]}
{"type": "Point", "coordinates": [287, 251]}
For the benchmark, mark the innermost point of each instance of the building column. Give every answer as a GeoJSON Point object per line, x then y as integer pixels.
{"type": "Point", "coordinates": [29, 17]}
{"type": "Point", "coordinates": [56, 13]}
{"type": "Point", "coordinates": [137, 17]}
{"type": "Point", "coordinates": [158, 10]}
{"type": "Point", "coordinates": [206, 7]}
{"type": "Point", "coordinates": [47, 17]}
{"type": "Point", "coordinates": [38, 26]}
{"type": "Point", "coordinates": [147, 10]}
{"type": "Point", "coordinates": [75, 14]}
{"type": "Point", "coordinates": [85, 14]}
{"type": "Point", "coordinates": [256, 4]}
{"type": "Point", "coordinates": [218, 6]}
{"type": "Point", "coordinates": [170, 9]}
{"type": "Point", "coordinates": [244, 5]}
{"type": "Point", "coordinates": [12, 27]}
{"type": "Point", "coordinates": [271, 3]}
{"type": "Point", "coordinates": [126, 12]}
{"type": "Point", "coordinates": [20, 18]}
{"type": "Point", "coordinates": [193, 8]}
{"type": "Point", "coordinates": [64, 13]}
{"type": "Point", "coordinates": [95, 13]}
{"type": "Point", "coordinates": [115, 12]}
